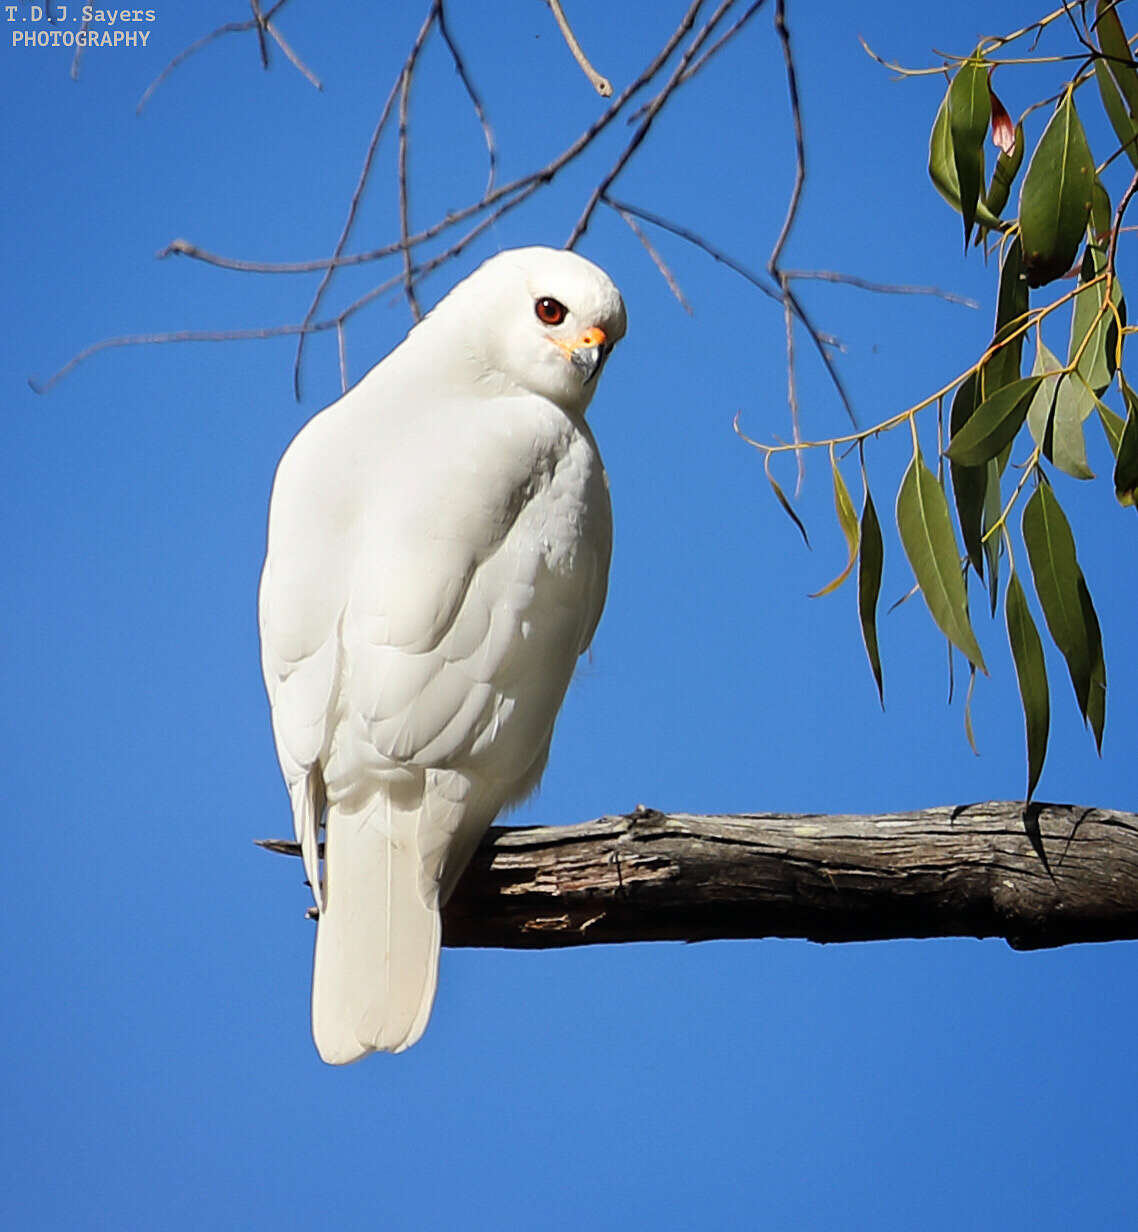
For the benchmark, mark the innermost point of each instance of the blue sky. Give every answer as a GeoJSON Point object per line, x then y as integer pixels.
{"type": "Point", "coordinates": [158, 1069]}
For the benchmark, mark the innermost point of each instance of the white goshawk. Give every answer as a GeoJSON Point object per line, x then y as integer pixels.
{"type": "Point", "coordinates": [438, 554]}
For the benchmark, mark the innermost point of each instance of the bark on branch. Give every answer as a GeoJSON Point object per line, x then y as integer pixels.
{"type": "Point", "coordinates": [1059, 874]}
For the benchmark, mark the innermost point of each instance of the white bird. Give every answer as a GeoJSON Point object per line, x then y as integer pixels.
{"type": "Point", "coordinates": [438, 554]}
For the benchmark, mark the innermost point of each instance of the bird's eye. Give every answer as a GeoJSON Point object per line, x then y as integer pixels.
{"type": "Point", "coordinates": [551, 311]}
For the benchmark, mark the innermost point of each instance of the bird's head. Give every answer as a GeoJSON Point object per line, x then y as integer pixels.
{"type": "Point", "coordinates": [540, 319]}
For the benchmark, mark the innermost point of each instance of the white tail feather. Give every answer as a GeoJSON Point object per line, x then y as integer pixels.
{"type": "Point", "coordinates": [377, 940]}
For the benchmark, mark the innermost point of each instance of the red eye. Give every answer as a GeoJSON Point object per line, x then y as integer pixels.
{"type": "Point", "coordinates": [551, 311]}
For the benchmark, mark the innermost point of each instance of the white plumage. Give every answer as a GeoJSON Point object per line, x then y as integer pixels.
{"type": "Point", "coordinates": [438, 553]}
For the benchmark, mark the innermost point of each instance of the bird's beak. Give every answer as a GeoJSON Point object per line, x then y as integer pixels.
{"type": "Point", "coordinates": [589, 352]}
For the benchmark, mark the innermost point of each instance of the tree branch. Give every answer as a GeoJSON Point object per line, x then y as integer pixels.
{"type": "Point", "coordinates": [1055, 875]}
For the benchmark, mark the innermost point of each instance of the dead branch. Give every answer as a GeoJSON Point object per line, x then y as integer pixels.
{"type": "Point", "coordinates": [1057, 875]}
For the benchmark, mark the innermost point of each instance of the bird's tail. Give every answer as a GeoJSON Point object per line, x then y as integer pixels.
{"type": "Point", "coordinates": [377, 940]}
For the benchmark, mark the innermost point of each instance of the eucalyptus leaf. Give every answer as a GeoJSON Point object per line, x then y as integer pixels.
{"type": "Point", "coordinates": [1051, 552]}
{"type": "Point", "coordinates": [969, 110]}
{"type": "Point", "coordinates": [1126, 464]}
{"type": "Point", "coordinates": [1055, 199]}
{"type": "Point", "coordinates": [1031, 673]}
{"type": "Point", "coordinates": [1096, 697]}
{"type": "Point", "coordinates": [1117, 113]}
{"type": "Point", "coordinates": [1112, 426]}
{"type": "Point", "coordinates": [969, 483]}
{"type": "Point", "coordinates": [780, 495]}
{"type": "Point", "coordinates": [1094, 327]}
{"type": "Point", "coordinates": [994, 423]}
{"type": "Point", "coordinates": [1004, 174]}
{"type": "Point", "coordinates": [870, 561]}
{"type": "Point", "coordinates": [1057, 413]}
{"type": "Point", "coordinates": [992, 543]}
{"type": "Point", "coordinates": [1113, 42]}
{"type": "Point", "coordinates": [1039, 414]}
{"type": "Point", "coordinates": [942, 169]}
{"type": "Point", "coordinates": [847, 520]}
{"type": "Point", "coordinates": [1011, 310]}
{"type": "Point", "coordinates": [926, 535]}
{"type": "Point", "coordinates": [1102, 214]}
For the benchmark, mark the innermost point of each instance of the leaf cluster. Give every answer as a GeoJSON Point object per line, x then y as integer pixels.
{"type": "Point", "coordinates": [1056, 257]}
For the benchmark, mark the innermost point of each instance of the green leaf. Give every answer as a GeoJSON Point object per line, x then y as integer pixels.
{"type": "Point", "coordinates": [1102, 215]}
{"type": "Point", "coordinates": [1126, 464]}
{"type": "Point", "coordinates": [1116, 111]}
{"type": "Point", "coordinates": [969, 110]}
{"type": "Point", "coordinates": [1051, 551]}
{"type": "Point", "coordinates": [992, 544]}
{"type": "Point", "coordinates": [1112, 40]}
{"type": "Point", "coordinates": [1096, 697]}
{"type": "Point", "coordinates": [969, 483]}
{"type": "Point", "coordinates": [1055, 199]}
{"type": "Point", "coordinates": [847, 520]}
{"type": "Point", "coordinates": [926, 535]}
{"type": "Point", "coordinates": [869, 586]}
{"type": "Point", "coordinates": [942, 169]}
{"type": "Point", "coordinates": [780, 495]}
{"type": "Point", "coordinates": [1006, 169]}
{"type": "Point", "coordinates": [1039, 413]}
{"type": "Point", "coordinates": [1112, 426]}
{"type": "Point", "coordinates": [1126, 460]}
{"type": "Point", "coordinates": [1094, 326]}
{"type": "Point", "coordinates": [1031, 672]}
{"type": "Point", "coordinates": [1011, 310]}
{"type": "Point", "coordinates": [994, 423]}
{"type": "Point", "coordinates": [1057, 412]}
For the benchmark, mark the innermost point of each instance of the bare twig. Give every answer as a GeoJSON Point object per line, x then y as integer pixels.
{"type": "Point", "coordinates": [293, 58]}
{"type": "Point", "coordinates": [686, 233]}
{"type": "Point", "coordinates": [880, 288]}
{"type": "Point", "coordinates": [361, 182]}
{"type": "Point", "coordinates": [473, 95]}
{"type": "Point", "coordinates": [799, 140]}
{"type": "Point", "coordinates": [342, 350]}
{"type": "Point", "coordinates": [80, 47]}
{"type": "Point", "coordinates": [182, 335]}
{"type": "Point", "coordinates": [262, 42]}
{"type": "Point", "coordinates": [404, 205]}
{"type": "Point", "coordinates": [230, 27]}
{"type": "Point", "coordinates": [602, 85]}
{"type": "Point", "coordinates": [657, 260]}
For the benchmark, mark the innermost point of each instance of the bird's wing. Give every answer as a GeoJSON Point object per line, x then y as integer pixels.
{"type": "Point", "coordinates": [415, 612]}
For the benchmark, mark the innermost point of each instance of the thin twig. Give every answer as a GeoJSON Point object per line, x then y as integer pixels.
{"type": "Point", "coordinates": [473, 95]}
{"type": "Point", "coordinates": [80, 47]}
{"type": "Point", "coordinates": [182, 335]}
{"type": "Point", "coordinates": [602, 85]}
{"type": "Point", "coordinates": [686, 233]}
{"type": "Point", "coordinates": [404, 205]}
{"type": "Point", "coordinates": [291, 55]}
{"type": "Point", "coordinates": [799, 139]}
{"type": "Point", "coordinates": [880, 288]}
{"type": "Point", "coordinates": [230, 27]}
{"type": "Point", "coordinates": [342, 348]}
{"type": "Point", "coordinates": [657, 260]}
{"type": "Point", "coordinates": [262, 42]}
{"type": "Point", "coordinates": [361, 182]}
